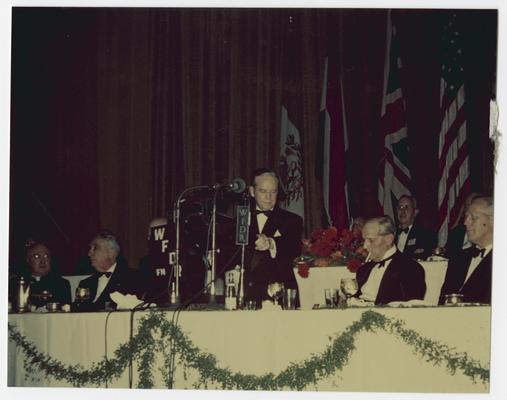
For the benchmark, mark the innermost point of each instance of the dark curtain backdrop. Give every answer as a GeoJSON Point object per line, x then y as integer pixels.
{"type": "Point", "coordinates": [114, 111]}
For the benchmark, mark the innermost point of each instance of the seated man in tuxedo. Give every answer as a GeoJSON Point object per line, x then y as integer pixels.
{"type": "Point", "coordinates": [458, 238]}
{"type": "Point", "coordinates": [412, 239]}
{"type": "Point", "coordinates": [46, 285]}
{"type": "Point", "coordinates": [469, 271]}
{"type": "Point", "coordinates": [274, 238]}
{"type": "Point", "coordinates": [389, 275]}
{"type": "Point", "coordinates": [109, 276]}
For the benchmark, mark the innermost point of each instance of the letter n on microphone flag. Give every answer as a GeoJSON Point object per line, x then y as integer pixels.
{"type": "Point", "coordinates": [394, 179]}
{"type": "Point", "coordinates": [454, 178]}
{"type": "Point", "coordinates": [332, 151]}
{"type": "Point", "coordinates": [291, 166]}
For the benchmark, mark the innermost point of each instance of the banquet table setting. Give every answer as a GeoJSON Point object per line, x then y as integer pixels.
{"type": "Point", "coordinates": [399, 349]}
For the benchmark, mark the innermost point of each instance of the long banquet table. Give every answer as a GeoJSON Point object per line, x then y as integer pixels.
{"type": "Point", "coordinates": [311, 288]}
{"type": "Point", "coordinates": [257, 342]}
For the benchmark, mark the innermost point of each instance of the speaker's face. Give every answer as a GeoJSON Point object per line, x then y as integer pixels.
{"type": "Point", "coordinates": [265, 192]}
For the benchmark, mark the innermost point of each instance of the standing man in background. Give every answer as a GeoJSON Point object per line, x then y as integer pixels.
{"type": "Point", "coordinates": [412, 239]}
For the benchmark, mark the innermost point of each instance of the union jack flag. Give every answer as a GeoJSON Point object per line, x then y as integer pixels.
{"type": "Point", "coordinates": [395, 180]}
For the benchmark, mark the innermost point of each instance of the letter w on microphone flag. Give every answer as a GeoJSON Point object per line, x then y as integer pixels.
{"type": "Point", "coordinates": [332, 150]}
{"type": "Point", "coordinates": [394, 179]}
{"type": "Point", "coordinates": [454, 182]}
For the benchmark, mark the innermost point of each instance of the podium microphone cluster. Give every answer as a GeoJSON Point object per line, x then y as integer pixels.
{"type": "Point", "coordinates": [236, 185]}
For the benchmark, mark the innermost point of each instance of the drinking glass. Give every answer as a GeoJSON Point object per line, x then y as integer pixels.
{"type": "Point", "coordinates": [349, 287]}
{"type": "Point", "coordinates": [82, 294]}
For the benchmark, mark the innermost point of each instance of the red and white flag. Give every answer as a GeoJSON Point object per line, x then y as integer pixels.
{"type": "Point", "coordinates": [394, 179]}
{"type": "Point", "coordinates": [332, 150]}
{"type": "Point", "coordinates": [291, 166]}
{"type": "Point", "coordinates": [454, 177]}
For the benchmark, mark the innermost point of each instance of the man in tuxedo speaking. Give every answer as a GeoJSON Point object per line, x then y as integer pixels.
{"type": "Point", "coordinates": [274, 238]}
{"type": "Point", "coordinates": [469, 271]}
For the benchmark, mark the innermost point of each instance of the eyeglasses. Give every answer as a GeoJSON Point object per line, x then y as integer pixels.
{"type": "Point", "coordinates": [39, 256]}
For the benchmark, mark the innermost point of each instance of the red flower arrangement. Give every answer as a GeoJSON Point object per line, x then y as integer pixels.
{"type": "Point", "coordinates": [330, 247]}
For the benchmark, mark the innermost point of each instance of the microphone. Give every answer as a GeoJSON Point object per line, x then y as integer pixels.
{"type": "Point", "coordinates": [236, 185]}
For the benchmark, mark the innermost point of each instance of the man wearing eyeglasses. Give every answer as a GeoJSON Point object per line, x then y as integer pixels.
{"type": "Point", "coordinates": [46, 285]}
{"type": "Point", "coordinates": [388, 275]}
{"type": "Point", "coordinates": [110, 276]}
{"type": "Point", "coordinates": [469, 271]}
{"type": "Point", "coordinates": [411, 238]}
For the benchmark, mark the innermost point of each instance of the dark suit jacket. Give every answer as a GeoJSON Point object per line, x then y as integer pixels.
{"type": "Point", "coordinates": [420, 242]}
{"type": "Point", "coordinates": [454, 244]}
{"type": "Point", "coordinates": [53, 283]}
{"type": "Point", "coordinates": [477, 288]}
{"type": "Point", "coordinates": [402, 281]}
{"type": "Point", "coordinates": [124, 280]}
{"type": "Point", "coordinates": [260, 268]}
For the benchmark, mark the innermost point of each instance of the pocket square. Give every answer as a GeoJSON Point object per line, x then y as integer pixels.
{"type": "Point", "coordinates": [411, 242]}
{"type": "Point", "coordinates": [277, 233]}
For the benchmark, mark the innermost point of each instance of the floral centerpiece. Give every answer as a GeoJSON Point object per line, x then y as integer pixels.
{"type": "Point", "coordinates": [331, 247]}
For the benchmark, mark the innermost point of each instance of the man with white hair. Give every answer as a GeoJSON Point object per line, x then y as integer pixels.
{"type": "Point", "coordinates": [389, 275]}
{"type": "Point", "coordinates": [469, 271]}
{"type": "Point", "coordinates": [109, 275]}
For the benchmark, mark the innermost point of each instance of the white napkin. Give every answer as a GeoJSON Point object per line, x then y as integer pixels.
{"type": "Point", "coordinates": [125, 301]}
{"type": "Point", "coordinates": [267, 305]}
{"type": "Point", "coordinates": [409, 303]}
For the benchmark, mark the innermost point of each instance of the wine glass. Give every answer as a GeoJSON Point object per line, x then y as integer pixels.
{"type": "Point", "coordinates": [82, 294]}
{"type": "Point", "coordinates": [349, 287]}
{"type": "Point", "coordinates": [275, 291]}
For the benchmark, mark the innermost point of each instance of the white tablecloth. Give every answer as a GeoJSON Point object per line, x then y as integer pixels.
{"type": "Point", "coordinates": [311, 289]}
{"type": "Point", "coordinates": [257, 342]}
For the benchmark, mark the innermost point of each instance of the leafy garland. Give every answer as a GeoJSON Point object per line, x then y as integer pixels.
{"type": "Point", "coordinates": [143, 347]}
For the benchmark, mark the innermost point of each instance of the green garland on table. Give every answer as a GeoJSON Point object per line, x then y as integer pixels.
{"type": "Point", "coordinates": [296, 376]}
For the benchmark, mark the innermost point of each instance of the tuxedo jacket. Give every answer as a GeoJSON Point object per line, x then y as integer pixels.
{"type": "Point", "coordinates": [420, 242]}
{"type": "Point", "coordinates": [477, 288]}
{"type": "Point", "coordinates": [403, 279]}
{"type": "Point", "coordinates": [260, 269]}
{"type": "Point", "coordinates": [124, 280]}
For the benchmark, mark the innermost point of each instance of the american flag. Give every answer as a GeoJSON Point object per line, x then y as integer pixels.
{"type": "Point", "coordinates": [332, 150]}
{"type": "Point", "coordinates": [395, 180]}
{"type": "Point", "coordinates": [454, 178]}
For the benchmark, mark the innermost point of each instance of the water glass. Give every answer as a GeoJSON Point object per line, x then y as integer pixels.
{"type": "Point", "coordinates": [289, 299]}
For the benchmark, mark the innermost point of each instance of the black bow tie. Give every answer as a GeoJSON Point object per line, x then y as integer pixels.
{"type": "Point", "coordinates": [106, 274]}
{"type": "Point", "coordinates": [382, 263]}
{"type": "Point", "coordinates": [475, 252]}
{"type": "Point", "coordinates": [404, 230]}
{"type": "Point", "coordinates": [266, 213]}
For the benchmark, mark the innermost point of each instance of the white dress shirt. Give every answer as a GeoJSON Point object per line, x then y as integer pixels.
{"type": "Point", "coordinates": [474, 263]}
{"type": "Point", "coordinates": [402, 239]}
{"type": "Point", "coordinates": [103, 281]}
{"type": "Point", "coordinates": [261, 222]}
{"type": "Point", "coordinates": [370, 288]}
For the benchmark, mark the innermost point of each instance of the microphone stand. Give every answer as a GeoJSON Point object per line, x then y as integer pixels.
{"type": "Point", "coordinates": [243, 240]}
{"type": "Point", "coordinates": [176, 217]}
{"type": "Point", "coordinates": [212, 292]}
